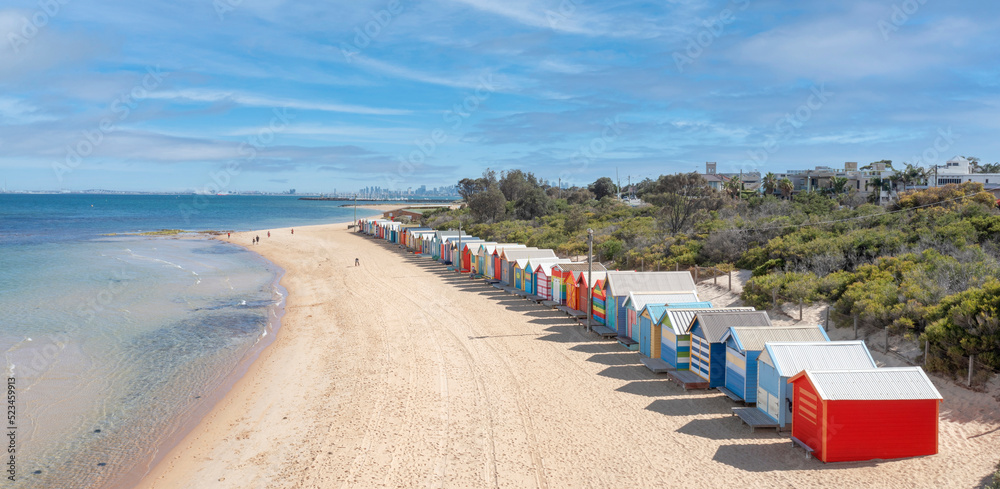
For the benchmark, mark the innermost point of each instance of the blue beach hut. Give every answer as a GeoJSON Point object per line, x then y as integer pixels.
{"type": "Point", "coordinates": [743, 346]}
{"type": "Point", "coordinates": [708, 352]}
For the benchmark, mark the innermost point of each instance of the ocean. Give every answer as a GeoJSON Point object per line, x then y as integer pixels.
{"type": "Point", "coordinates": [120, 343]}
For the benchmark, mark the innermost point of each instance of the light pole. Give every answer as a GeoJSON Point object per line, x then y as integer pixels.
{"type": "Point", "coordinates": [590, 272]}
{"type": "Point", "coordinates": [355, 209]}
{"type": "Point", "coordinates": [459, 249]}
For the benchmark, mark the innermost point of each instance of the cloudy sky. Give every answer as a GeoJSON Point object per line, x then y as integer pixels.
{"type": "Point", "coordinates": [317, 96]}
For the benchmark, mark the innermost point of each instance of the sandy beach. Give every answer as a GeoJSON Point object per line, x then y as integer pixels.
{"type": "Point", "coordinates": [397, 373]}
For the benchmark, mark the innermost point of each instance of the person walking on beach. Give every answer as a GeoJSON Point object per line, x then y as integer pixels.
{"type": "Point", "coordinates": [269, 234]}
{"type": "Point", "coordinates": [258, 240]}
{"type": "Point", "coordinates": [357, 262]}
{"type": "Point", "coordinates": [229, 235]}
{"type": "Point", "coordinates": [293, 230]}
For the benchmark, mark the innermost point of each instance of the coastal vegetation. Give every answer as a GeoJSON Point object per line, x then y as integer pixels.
{"type": "Point", "coordinates": [926, 266]}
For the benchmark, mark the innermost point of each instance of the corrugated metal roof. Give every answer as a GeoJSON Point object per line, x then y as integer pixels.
{"type": "Point", "coordinates": [501, 250]}
{"type": "Point", "coordinates": [877, 384]}
{"type": "Point", "coordinates": [715, 323]}
{"type": "Point", "coordinates": [513, 255]}
{"type": "Point", "coordinates": [441, 235]}
{"type": "Point", "coordinates": [638, 301]}
{"type": "Point", "coordinates": [623, 283]}
{"type": "Point", "coordinates": [582, 267]}
{"type": "Point", "coordinates": [754, 338]}
{"type": "Point", "coordinates": [791, 358]}
{"type": "Point", "coordinates": [545, 268]}
{"type": "Point", "coordinates": [680, 319]}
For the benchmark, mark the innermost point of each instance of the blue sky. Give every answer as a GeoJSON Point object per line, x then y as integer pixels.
{"type": "Point", "coordinates": [270, 95]}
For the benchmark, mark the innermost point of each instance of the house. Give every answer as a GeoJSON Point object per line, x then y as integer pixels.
{"type": "Point", "coordinates": [854, 415]}
{"type": "Point", "coordinates": [675, 341]}
{"type": "Point", "coordinates": [708, 352]}
{"type": "Point", "coordinates": [620, 284]}
{"type": "Point", "coordinates": [743, 347]}
{"type": "Point", "coordinates": [397, 214]}
{"type": "Point", "coordinates": [780, 361]}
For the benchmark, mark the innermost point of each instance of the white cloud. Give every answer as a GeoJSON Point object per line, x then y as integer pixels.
{"type": "Point", "coordinates": [211, 96]}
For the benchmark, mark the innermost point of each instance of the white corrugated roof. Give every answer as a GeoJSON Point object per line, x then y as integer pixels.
{"type": "Point", "coordinates": [876, 384]}
{"type": "Point", "coordinates": [680, 319]}
{"type": "Point", "coordinates": [638, 301]}
{"type": "Point", "coordinates": [791, 358]}
{"type": "Point", "coordinates": [623, 283]}
{"type": "Point", "coordinates": [754, 338]}
{"type": "Point", "coordinates": [516, 254]}
{"type": "Point", "coordinates": [545, 268]}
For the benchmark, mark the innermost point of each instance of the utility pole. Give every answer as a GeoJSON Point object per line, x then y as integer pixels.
{"type": "Point", "coordinates": [590, 272]}
{"type": "Point", "coordinates": [355, 209]}
{"type": "Point", "coordinates": [459, 249]}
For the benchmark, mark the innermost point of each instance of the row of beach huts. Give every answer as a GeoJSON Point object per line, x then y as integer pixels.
{"type": "Point", "coordinates": [838, 404]}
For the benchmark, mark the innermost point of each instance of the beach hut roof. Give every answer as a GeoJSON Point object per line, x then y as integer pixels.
{"type": "Point", "coordinates": [581, 267]}
{"type": "Point", "coordinates": [534, 262]}
{"type": "Point", "coordinates": [681, 318]}
{"type": "Point", "coordinates": [622, 283]}
{"type": "Point", "coordinates": [581, 276]}
{"type": "Point", "coordinates": [503, 249]}
{"type": "Point", "coordinates": [545, 267]}
{"type": "Point", "coordinates": [441, 235]}
{"type": "Point", "coordinates": [715, 323]}
{"type": "Point", "coordinates": [791, 358]}
{"type": "Point", "coordinates": [639, 301]}
{"type": "Point", "coordinates": [754, 338]}
{"type": "Point", "coordinates": [874, 384]}
{"type": "Point", "coordinates": [514, 254]}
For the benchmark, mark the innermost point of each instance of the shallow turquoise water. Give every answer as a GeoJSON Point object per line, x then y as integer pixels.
{"type": "Point", "coordinates": [120, 343]}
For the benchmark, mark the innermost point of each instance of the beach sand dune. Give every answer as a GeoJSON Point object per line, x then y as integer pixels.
{"type": "Point", "coordinates": [397, 373]}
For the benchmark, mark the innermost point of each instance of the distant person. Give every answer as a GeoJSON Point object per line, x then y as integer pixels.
{"type": "Point", "coordinates": [293, 231]}
{"type": "Point", "coordinates": [258, 240]}
{"type": "Point", "coordinates": [269, 234]}
{"type": "Point", "coordinates": [357, 262]}
{"type": "Point", "coordinates": [229, 235]}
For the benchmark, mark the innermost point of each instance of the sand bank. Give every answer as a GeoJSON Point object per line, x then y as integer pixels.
{"type": "Point", "coordinates": [399, 374]}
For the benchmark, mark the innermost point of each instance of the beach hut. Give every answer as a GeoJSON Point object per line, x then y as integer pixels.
{"type": "Point", "coordinates": [437, 243]}
{"type": "Point", "coordinates": [409, 234]}
{"type": "Point", "coordinates": [510, 256]}
{"type": "Point", "coordinates": [620, 284]}
{"type": "Point", "coordinates": [779, 362]}
{"type": "Point", "coordinates": [708, 352]}
{"type": "Point", "coordinates": [564, 274]}
{"type": "Point", "coordinates": [576, 286]}
{"type": "Point", "coordinates": [492, 259]}
{"type": "Point", "coordinates": [675, 341]}
{"type": "Point", "coordinates": [466, 255]}
{"type": "Point", "coordinates": [635, 302]}
{"type": "Point", "coordinates": [534, 276]}
{"type": "Point", "coordinates": [743, 347]}
{"type": "Point", "coordinates": [651, 319]}
{"type": "Point", "coordinates": [482, 251]}
{"type": "Point", "coordinates": [855, 415]}
{"type": "Point", "coordinates": [543, 278]}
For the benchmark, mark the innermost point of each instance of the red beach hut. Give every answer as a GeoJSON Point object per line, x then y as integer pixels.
{"type": "Point", "coordinates": [854, 415]}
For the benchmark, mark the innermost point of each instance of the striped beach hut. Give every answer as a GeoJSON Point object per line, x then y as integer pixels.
{"type": "Point", "coordinates": [622, 283]}
{"type": "Point", "coordinates": [781, 361]}
{"type": "Point", "coordinates": [510, 256]}
{"type": "Point", "coordinates": [855, 415]}
{"type": "Point", "coordinates": [531, 275]}
{"type": "Point", "coordinates": [599, 301]}
{"type": "Point", "coordinates": [543, 278]}
{"type": "Point", "coordinates": [675, 341]}
{"type": "Point", "coordinates": [421, 242]}
{"type": "Point", "coordinates": [635, 302]}
{"type": "Point", "coordinates": [743, 347]}
{"type": "Point", "coordinates": [437, 243]}
{"type": "Point", "coordinates": [708, 352]}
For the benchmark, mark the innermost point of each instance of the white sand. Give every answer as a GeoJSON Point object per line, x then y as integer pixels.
{"type": "Point", "coordinates": [398, 374]}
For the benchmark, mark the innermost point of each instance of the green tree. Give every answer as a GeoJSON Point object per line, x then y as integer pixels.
{"type": "Point", "coordinates": [603, 187]}
{"type": "Point", "coordinates": [488, 206]}
{"type": "Point", "coordinates": [732, 187]}
{"type": "Point", "coordinates": [679, 197]}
